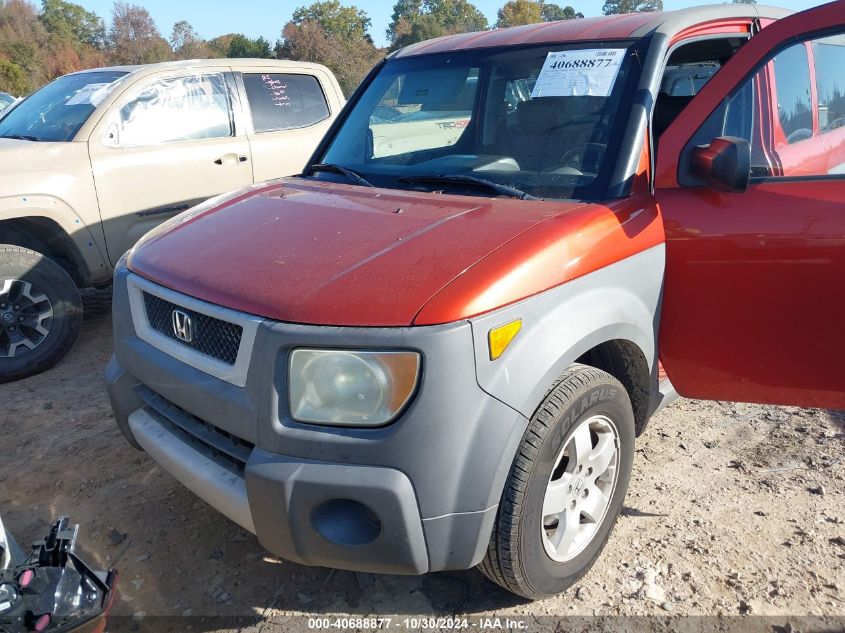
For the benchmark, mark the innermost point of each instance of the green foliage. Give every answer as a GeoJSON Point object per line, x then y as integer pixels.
{"type": "Point", "coordinates": [186, 43]}
{"type": "Point", "coordinates": [219, 46]}
{"type": "Point", "coordinates": [518, 12]}
{"type": "Point", "coordinates": [330, 34]}
{"type": "Point", "coordinates": [348, 58]}
{"type": "Point", "coordinates": [417, 20]}
{"type": "Point", "coordinates": [73, 22]}
{"type": "Point", "coordinates": [335, 19]}
{"type": "Point", "coordinates": [613, 7]}
{"type": "Point", "coordinates": [553, 12]}
{"type": "Point", "coordinates": [243, 46]}
{"type": "Point", "coordinates": [13, 79]}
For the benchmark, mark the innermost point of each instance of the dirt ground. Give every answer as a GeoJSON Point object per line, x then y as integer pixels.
{"type": "Point", "coordinates": [733, 509]}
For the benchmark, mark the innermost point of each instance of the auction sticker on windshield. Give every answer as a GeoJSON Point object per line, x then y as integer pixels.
{"type": "Point", "coordinates": [91, 94]}
{"type": "Point", "coordinates": [590, 72]}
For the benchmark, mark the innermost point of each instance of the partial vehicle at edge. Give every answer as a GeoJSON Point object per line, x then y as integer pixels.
{"type": "Point", "coordinates": [95, 159]}
{"type": "Point", "coordinates": [419, 357]}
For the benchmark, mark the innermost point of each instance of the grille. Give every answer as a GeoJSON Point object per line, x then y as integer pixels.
{"type": "Point", "coordinates": [211, 337]}
{"type": "Point", "coordinates": [228, 450]}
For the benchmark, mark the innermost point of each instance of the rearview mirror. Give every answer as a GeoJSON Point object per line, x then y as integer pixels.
{"type": "Point", "coordinates": [725, 164]}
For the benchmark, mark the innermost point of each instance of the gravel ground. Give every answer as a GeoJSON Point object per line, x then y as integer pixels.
{"type": "Point", "coordinates": [734, 509]}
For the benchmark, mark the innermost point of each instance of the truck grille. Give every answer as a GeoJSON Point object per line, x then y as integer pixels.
{"type": "Point", "coordinates": [228, 450]}
{"type": "Point", "coordinates": [209, 336]}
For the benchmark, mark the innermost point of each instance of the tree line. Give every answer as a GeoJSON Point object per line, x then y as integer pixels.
{"type": "Point", "coordinates": [38, 44]}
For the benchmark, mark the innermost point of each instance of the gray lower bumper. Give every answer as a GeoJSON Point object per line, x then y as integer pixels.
{"type": "Point", "coordinates": [415, 496]}
{"type": "Point", "coordinates": [219, 487]}
{"type": "Point", "coordinates": [353, 517]}
{"type": "Point", "coordinates": [348, 516]}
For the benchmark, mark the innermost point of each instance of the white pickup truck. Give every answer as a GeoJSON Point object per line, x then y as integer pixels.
{"type": "Point", "coordinates": [95, 159]}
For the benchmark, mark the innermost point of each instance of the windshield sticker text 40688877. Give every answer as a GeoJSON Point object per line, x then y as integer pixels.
{"type": "Point", "coordinates": [579, 73]}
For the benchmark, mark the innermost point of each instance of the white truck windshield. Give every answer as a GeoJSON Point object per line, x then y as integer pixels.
{"type": "Point", "coordinates": [59, 109]}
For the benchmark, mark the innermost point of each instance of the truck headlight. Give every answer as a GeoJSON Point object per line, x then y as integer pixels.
{"type": "Point", "coordinates": [350, 388]}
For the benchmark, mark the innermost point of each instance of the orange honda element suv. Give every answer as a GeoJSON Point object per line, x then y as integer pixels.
{"type": "Point", "coordinates": [435, 350]}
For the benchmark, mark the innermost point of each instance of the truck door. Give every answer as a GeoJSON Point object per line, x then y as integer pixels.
{"type": "Point", "coordinates": [754, 293]}
{"type": "Point", "coordinates": [290, 109]}
{"type": "Point", "coordinates": [167, 144]}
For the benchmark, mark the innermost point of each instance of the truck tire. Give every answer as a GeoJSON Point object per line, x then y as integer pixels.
{"type": "Point", "coordinates": [565, 488]}
{"type": "Point", "coordinates": [40, 313]}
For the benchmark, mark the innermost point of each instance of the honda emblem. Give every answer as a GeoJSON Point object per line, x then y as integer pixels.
{"type": "Point", "coordinates": [183, 328]}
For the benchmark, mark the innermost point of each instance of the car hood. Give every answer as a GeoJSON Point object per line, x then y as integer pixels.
{"type": "Point", "coordinates": [323, 253]}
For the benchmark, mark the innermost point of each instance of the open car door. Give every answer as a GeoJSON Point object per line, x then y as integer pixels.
{"type": "Point", "coordinates": [750, 179]}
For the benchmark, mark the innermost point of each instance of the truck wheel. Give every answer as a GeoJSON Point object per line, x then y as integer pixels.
{"type": "Point", "coordinates": [40, 313]}
{"type": "Point", "coordinates": [565, 488]}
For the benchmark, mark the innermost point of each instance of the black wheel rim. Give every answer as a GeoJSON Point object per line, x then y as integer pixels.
{"type": "Point", "coordinates": [26, 316]}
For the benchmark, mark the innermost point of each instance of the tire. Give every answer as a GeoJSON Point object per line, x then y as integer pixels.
{"type": "Point", "coordinates": [522, 556]}
{"type": "Point", "coordinates": [39, 305]}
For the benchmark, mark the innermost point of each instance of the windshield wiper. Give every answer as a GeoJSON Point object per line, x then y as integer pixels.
{"type": "Point", "coordinates": [21, 137]}
{"type": "Point", "coordinates": [339, 169]}
{"type": "Point", "coordinates": [473, 181]}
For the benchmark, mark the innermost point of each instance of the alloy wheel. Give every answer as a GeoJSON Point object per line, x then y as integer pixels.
{"type": "Point", "coordinates": [26, 316]}
{"type": "Point", "coordinates": [580, 488]}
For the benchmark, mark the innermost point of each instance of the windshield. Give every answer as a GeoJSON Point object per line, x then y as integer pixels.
{"type": "Point", "coordinates": [543, 120]}
{"type": "Point", "coordinates": [59, 109]}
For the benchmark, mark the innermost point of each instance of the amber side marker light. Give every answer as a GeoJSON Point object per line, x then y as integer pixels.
{"type": "Point", "coordinates": [500, 337]}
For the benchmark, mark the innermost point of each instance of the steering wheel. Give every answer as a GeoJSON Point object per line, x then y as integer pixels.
{"type": "Point", "coordinates": [387, 113]}
{"type": "Point", "coordinates": [577, 156]}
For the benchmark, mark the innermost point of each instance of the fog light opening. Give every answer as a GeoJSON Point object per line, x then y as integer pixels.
{"type": "Point", "coordinates": [346, 522]}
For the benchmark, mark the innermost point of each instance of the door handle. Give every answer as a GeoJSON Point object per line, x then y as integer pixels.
{"type": "Point", "coordinates": [231, 159]}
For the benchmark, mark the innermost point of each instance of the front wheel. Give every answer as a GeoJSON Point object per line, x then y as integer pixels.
{"type": "Point", "coordinates": [565, 488]}
{"type": "Point", "coordinates": [40, 313]}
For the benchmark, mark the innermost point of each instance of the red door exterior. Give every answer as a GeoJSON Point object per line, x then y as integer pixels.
{"type": "Point", "coordinates": [754, 296]}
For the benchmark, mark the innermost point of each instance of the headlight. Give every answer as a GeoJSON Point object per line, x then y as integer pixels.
{"type": "Point", "coordinates": [350, 388]}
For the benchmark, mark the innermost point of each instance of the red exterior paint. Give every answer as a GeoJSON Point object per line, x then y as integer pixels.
{"type": "Point", "coordinates": [554, 252]}
{"type": "Point", "coordinates": [601, 28]}
{"type": "Point", "coordinates": [740, 26]}
{"type": "Point", "coordinates": [334, 254]}
{"type": "Point", "coordinates": [558, 250]}
{"type": "Point", "coordinates": [324, 253]}
{"type": "Point", "coordinates": [610, 27]}
{"type": "Point", "coordinates": [752, 308]}
{"type": "Point", "coordinates": [676, 136]}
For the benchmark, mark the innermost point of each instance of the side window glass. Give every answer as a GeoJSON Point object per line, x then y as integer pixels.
{"type": "Point", "coordinates": [829, 59]}
{"type": "Point", "coordinates": [792, 80]}
{"type": "Point", "coordinates": [175, 109]}
{"type": "Point", "coordinates": [686, 80]}
{"type": "Point", "coordinates": [795, 129]}
{"type": "Point", "coordinates": [284, 101]}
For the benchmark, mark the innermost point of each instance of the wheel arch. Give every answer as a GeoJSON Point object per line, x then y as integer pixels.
{"type": "Point", "coordinates": [607, 319]}
{"type": "Point", "coordinates": [56, 233]}
{"type": "Point", "coordinates": [625, 361]}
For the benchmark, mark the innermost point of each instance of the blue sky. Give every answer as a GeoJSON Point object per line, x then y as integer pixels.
{"type": "Point", "coordinates": [267, 17]}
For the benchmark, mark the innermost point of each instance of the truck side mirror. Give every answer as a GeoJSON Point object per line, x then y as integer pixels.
{"type": "Point", "coordinates": [725, 164]}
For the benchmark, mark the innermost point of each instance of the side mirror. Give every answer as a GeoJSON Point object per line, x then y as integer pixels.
{"type": "Point", "coordinates": [725, 164]}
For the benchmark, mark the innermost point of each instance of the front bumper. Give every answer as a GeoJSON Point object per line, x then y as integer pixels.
{"type": "Point", "coordinates": [416, 496]}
